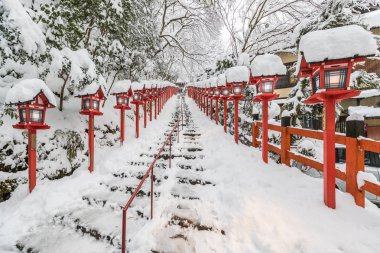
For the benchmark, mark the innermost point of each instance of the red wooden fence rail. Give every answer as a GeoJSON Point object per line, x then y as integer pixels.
{"type": "Point", "coordinates": [355, 148]}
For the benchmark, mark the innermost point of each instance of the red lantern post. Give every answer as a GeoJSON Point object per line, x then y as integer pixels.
{"type": "Point", "coordinates": [329, 67]}
{"type": "Point", "coordinates": [266, 70]}
{"type": "Point", "coordinates": [32, 97]}
{"type": "Point", "coordinates": [123, 92]}
{"type": "Point", "coordinates": [91, 97]}
{"type": "Point", "coordinates": [237, 78]}
{"type": "Point", "coordinates": [137, 101]}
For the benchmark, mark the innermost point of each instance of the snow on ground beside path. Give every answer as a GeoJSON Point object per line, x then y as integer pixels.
{"type": "Point", "coordinates": [24, 213]}
{"type": "Point", "coordinates": [272, 208]}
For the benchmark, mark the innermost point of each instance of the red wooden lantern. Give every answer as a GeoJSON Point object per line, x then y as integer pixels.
{"type": "Point", "coordinates": [265, 71]}
{"type": "Point", "coordinates": [91, 97]}
{"type": "Point", "coordinates": [328, 57]}
{"type": "Point", "coordinates": [155, 97]}
{"type": "Point", "coordinates": [237, 78]}
{"type": "Point", "coordinates": [137, 101]}
{"type": "Point", "coordinates": [123, 92]}
{"type": "Point", "coordinates": [32, 97]}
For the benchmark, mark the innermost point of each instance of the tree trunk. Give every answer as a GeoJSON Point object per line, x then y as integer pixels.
{"type": "Point", "coordinates": [62, 94]}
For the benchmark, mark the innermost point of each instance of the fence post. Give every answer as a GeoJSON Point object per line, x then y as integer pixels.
{"type": "Point", "coordinates": [255, 134]}
{"type": "Point", "coordinates": [285, 146]}
{"type": "Point", "coordinates": [354, 164]}
{"type": "Point", "coordinates": [124, 231]}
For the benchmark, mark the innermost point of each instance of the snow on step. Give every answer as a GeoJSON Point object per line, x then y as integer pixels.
{"type": "Point", "coordinates": [59, 239]}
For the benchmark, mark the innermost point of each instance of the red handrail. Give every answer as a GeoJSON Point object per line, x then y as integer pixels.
{"type": "Point", "coordinates": [150, 170]}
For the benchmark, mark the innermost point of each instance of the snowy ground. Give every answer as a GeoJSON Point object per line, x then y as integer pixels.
{"type": "Point", "coordinates": [217, 197]}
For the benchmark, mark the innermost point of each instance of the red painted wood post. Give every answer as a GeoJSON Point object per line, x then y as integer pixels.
{"type": "Point", "coordinates": [225, 115]}
{"type": "Point", "coordinates": [285, 146]}
{"type": "Point", "coordinates": [211, 108]}
{"type": "Point", "coordinates": [354, 164]}
{"type": "Point", "coordinates": [91, 141]}
{"type": "Point", "coordinates": [150, 110]}
{"type": "Point", "coordinates": [155, 108]}
{"type": "Point", "coordinates": [264, 132]}
{"type": "Point", "coordinates": [124, 232]}
{"type": "Point", "coordinates": [122, 125]}
{"type": "Point", "coordinates": [144, 107]}
{"type": "Point", "coordinates": [32, 158]}
{"type": "Point", "coordinates": [137, 121]}
{"type": "Point", "coordinates": [255, 135]}
{"type": "Point", "coordinates": [206, 106]}
{"type": "Point", "coordinates": [217, 112]}
{"type": "Point", "coordinates": [151, 193]}
{"type": "Point", "coordinates": [236, 120]}
{"type": "Point", "coordinates": [329, 154]}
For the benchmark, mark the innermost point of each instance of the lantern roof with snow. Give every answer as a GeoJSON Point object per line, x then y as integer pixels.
{"type": "Point", "coordinates": [137, 86]}
{"type": "Point", "coordinates": [238, 74]}
{"type": "Point", "coordinates": [122, 86]}
{"type": "Point", "coordinates": [222, 80]}
{"type": "Point", "coordinates": [94, 89]}
{"type": "Point", "coordinates": [28, 90]}
{"type": "Point", "coordinates": [337, 43]}
{"type": "Point", "coordinates": [267, 65]}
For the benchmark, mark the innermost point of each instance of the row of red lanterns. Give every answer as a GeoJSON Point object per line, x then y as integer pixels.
{"type": "Point", "coordinates": [329, 84]}
{"type": "Point", "coordinates": [32, 113]}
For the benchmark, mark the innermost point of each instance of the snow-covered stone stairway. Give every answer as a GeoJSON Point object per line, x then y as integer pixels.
{"type": "Point", "coordinates": [95, 223]}
{"type": "Point", "coordinates": [183, 220]}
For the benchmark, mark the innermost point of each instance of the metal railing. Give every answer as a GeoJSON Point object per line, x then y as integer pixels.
{"type": "Point", "coordinates": [150, 171]}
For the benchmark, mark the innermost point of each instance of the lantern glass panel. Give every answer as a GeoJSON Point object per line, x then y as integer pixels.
{"type": "Point", "coordinates": [211, 93]}
{"type": "Point", "coordinates": [335, 79]}
{"type": "Point", "coordinates": [36, 116]}
{"type": "Point", "coordinates": [136, 97]}
{"type": "Point", "coordinates": [120, 100]}
{"type": "Point", "coordinates": [226, 92]}
{"type": "Point", "coordinates": [22, 113]}
{"type": "Point", "coordinates": [316, 83]}
{"type": "Point", "coordinates": [217, 93]}
{"type": "Point", "coordinates": [95, 104]}
{"type": "Point", "coordinates": [237, 90]}
{"type": "Point", "coordinates": [86, 104]}
{"type": "Point", "coordinates": [267, 87]}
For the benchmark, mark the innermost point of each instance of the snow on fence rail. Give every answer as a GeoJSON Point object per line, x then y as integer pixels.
{"type": "Point", "coordinates": [355, 148]}
{"type": "Point", "coordinates": [150, 171]}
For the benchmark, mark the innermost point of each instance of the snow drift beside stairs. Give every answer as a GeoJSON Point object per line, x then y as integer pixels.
{"type": "Point", "coordinates": [268, 65]}
{"type": "Point", "coordinates": [337, 43]}
{"type": "Point", "coordinates": [27, 90]}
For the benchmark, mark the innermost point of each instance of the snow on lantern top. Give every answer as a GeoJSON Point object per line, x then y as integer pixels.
{"type": "Point", "coordinates": [268, 65]}
{"type": "Point", "coordinates": [92, 90]}
{"type": "Point", "coordinates": [237, 74]}
{"type": "Point", "coordinates": [28, 90]}
{"type": "Point", "coordinates": [136, 86]}
{"type": "Point", "coordinates": [222, 80]}
{"type": "Point", "coordinates": [213, 82]}
{"type": "Point", "coordinates": [337, 43]}
{"type": "Point", "coordinates": [122, 86]}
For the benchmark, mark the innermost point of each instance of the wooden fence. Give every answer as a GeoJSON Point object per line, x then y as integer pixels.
{"type": "Point", "coordinates": [355, 148]}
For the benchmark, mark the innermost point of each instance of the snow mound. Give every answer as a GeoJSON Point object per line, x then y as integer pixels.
{"type": "Point", "coordinates": [355, 116]}
{"type": "Point", "coordinates": [371, 19]}
{"type": "Point", "coordinates": [31, 35]}
{"type": "Point", "coordinates": [137, 86]}
{"type": "Point", "coordinates": [27, 90]}
{"type": "Point", "coordinates": [337, 43]}
{"type": "Point", "coordinates": [366, 176]}
{"type": "Point", "coordinates": [243, 60]}
{"type": "Point", "coordinates": [286, 113]}
{"type": "Point", "coordinates": [237, 74]}
{"type": "Point", "coordinates": [91, 89]}
{"type": "Point", "coordinates": [365, 111]}
{"type": "Point", "coordinates": [268, 65]}
{"type": "Point", "coordinates": [121, 86]}
{"type": "Point", "coordinates": [214, 82]}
